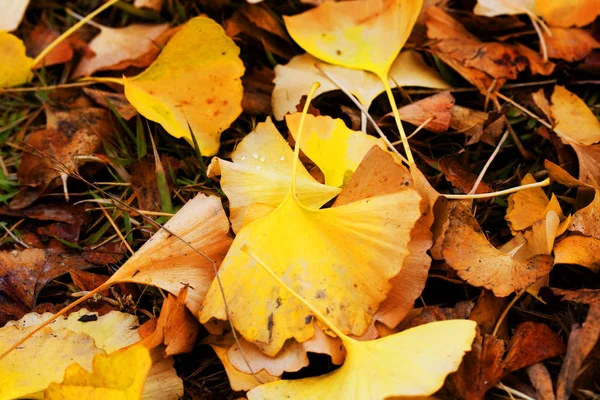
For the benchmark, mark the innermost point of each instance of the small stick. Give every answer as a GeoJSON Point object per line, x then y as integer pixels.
{"type": "Point", "coordinates": [488, 163]}
{"type": "Point", "coordinates": [116, 228]}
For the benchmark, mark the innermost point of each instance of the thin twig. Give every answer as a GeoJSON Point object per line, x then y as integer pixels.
{"type": "Point", "coordinates": [488, 163]}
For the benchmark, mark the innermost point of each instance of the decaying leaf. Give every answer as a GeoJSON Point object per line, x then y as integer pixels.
{"type": "Point", "coordinates": [336, 149]}
{"type": "Point", "coordinates": [346, 33]}
{"type": "Point", "coordinates": [194, 86]}
{"type": "Point", "coordinates": [18, 70]}
{"type": "Point", "coordinates": [530, 205]}
{"type": "Point", "coordinates": [570, 44]}
{"type": "Point", "coordinates": [292, 79]}
{"type": "Point", "coordinates": [12, 14]}
{"type": "Point", "coordinates": [120, 375]}
{"type": "Point", "coordinates": [579, 250]}
{"type": "Point", "coordinates": [467, 251]}
{"type": "Point", "coordinates": [118, 48]}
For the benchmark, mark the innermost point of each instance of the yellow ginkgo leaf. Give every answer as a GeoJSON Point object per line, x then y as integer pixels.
{"type": "Point", "coordinates": [12, 14]}
{"type": "Point", "coordinates": [15, 68]}
{"type": "Point", "coordinates": [410, 363]}
{"type": "Point", "coordinates": [291, 80]}
{"type": "Point", "coordinates": [42, 359]}
{"type": "Point", "coordinates": [365, 35]}
{"type": "Point", "coordinates": [566, 13]}
{"type": "Point", "coordinates": [194, 86]}
{"type": "Point", "coordinates": [342, 257]}
{"type": "Point", "coordinates": [119, 376]}
{"type": "Point", "coordinates": [575, 122]}
{"type": "Point", "coordinates": [260, 172]}
{"type": "Point", "coordinates": [336, 149]}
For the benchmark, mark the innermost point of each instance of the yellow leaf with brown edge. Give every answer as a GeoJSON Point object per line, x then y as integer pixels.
{"type": "Point", "coordinates": [414, 362]}
{"type": "Point", "coordinates": [365, 35]}
{"type": "Point", "coordinates": [15, 68]}
{"type": "Point", "coordinates": [194, 86]}
{"type": "Point", "coordinates": [336, 149]}
{"type": "Point", "coordinates": [119, 376]}
{"type": "Point", "coordinates": [325, 254]}
{"type": "Point", "coordinates": [260, 173]}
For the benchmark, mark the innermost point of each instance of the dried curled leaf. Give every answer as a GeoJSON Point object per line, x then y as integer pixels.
{"type": "Point", "coordinates": [194, 86]}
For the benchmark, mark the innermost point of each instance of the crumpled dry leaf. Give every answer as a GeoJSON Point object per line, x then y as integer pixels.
{"type": "Point", "coordinates": [467, 251]}
{"type": "Point", "coordinates": [12, 14]}
{"type": "Point", "coordinates": [260, 172]}
{"type": "Point", "coordinates": [579, 250]}
{"type": "Point", "coordinates": [63, 342]}
{"type": "Point", "coordinates": [347, 33]}
{"type": "Point", "coordinates": [570, 44]}
{"type": "Point", "coordinates": [135, 45]}
{"type": "Point", "coordinates": [481, 63]}
{"type": "Point", "coordinates": [478, 125]}
{"type": "Point", "coordinates": [336, 149]}
{"type": "Point", "coordinates": [194, 85]}
{"type": "Point", "coordinates": [292, 79]}
{"type": "Point", "coordinates": [70, 132]}
{"type": "Point", "coordinates": [487, 363]}
{"type": "Point", "coordinates": [528, 206]}
{"type": "Point", "coordinates": [565, 13]}
{"type": "Point", "coordinates": [120, 375]}
{"type": "Point", "coordinates": [18, 70]}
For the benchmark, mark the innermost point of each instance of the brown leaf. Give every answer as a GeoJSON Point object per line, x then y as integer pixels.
{"type": "Point", "coordinates": [542, 381]}
{"type": "Point", "coordinates": [42, 36]}
{"type": "Point", "coordinates": [109, 253]}
{"type": "Point", "coordinates": [438, 107]}
{"type": "Point", "coordinates": [478, 125]}
{"type": "Point", "coordinates": [258, 86]}
{"type": "Point", "coordinates": [581, 340]}
{"type": "Point", "coordinates": [458, 172]}
{"type": "Point", "coordinates": [117, 100]}
{"type": "Point", "coordinates": [589, 167]}
{"type": "Point", "coordinates": [587, 219]}
{"type": "Point", "coordinates": [570, 44]}
{"type": "Point", "coordinates": [472, 256]}
{"type": "Point", "coordinates": [430, 314]}
{"type": "Point", "coordinates": [69, 133]}
{"type": "Point", "coordinates": [487, 311]}
{"type": "Point", "coordinates": [20, 270]}
{"type": "Point", "coordinates": [144, 183]}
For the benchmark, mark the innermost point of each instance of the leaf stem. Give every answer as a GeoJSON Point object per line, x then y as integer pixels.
{"type": "Point", "coordinates": [545, 182]}
{"type": "Point", "coordinates": [392, 101]}
{"type": "Point", "coordinates": [72, 29]}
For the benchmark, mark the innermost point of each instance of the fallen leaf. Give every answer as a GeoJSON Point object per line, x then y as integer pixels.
{"type": "Point", "coordinates": [589, 168]}
{"type": "Point", "coordinates": [472, 256]}
{"type": "Point", "coordinates": [478, 125]}
{"type": "Point", "coordinates": [564, 13]}
{"type": "Point", "coordinates": [117, 101]}
{"type": "Point", "coordinates": [570, 44]}
{"type": "Point", "coordinates": [558, 174]}
{"type": "Point", "coordinates": [118, 48]}
{"type": "Point", "coordinates": [578, 250]}
{"type": "Point", "coordinates": [586, 220]}
{"type": "Point", "coordinates": [120, 375]}
{"type": "Point", "coordinates": [487, 312]}
{"type": "Point", "coordinates": [41, 37]}
{"type": "Point", "coordinates": [438, 107]}
{"type": "Point", "coordinates": [541, 380]}
{"type": "Point", "coordinates": [258, 86]}
{"type": "Point", "coordinates": [428, 314]}
{"type": "Point", "coordinates": [528, 206]}
{"type": "Point", "coordinates": [145, 184]}
{"type": "Point", "coordinates": [292, 79]}
{"type": "Point", "coordinates": [18, 71]}
{"type": "Point", "coordinates": [260, 172]}
{"type": "Point", "coordinates": [239, 380]}
{"type": "Point", "coordinates": [176, 327]}
{"type": "Point", "coordinates": [492, 8]}
{"type": "Point", "coordinates": [13, 12]}
{"type": "Point", "coordinates": [155, 5]}
{"type": "Point", "coordinates": [336, 149]}
{"type": "Point", "coordinates": [575, 122]}
{"type": "Point", "coordinates": [458, 172]}
{"type": "Point", "coordinates": [193, 86]}
{"type": "Point", "coordinates": [357, 236]}
{"type": "Point", "coordinates": [345, 33]}
{"type": "Point", "coordinates": [162, 382]}
{"type": "Point", "coordinates": [581, 339]}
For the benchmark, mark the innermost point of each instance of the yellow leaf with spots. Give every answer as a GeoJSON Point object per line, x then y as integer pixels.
{"type": "Point", "coordinates": [118, 376]}
{"type": "Point", "coordinates": [365, 35]}
{"type": "Point", "coordinates": [15, 68]}
{"type": "Point", "coordinates": [194, 86]}
{"type": "Point", "coordinates": [336, 149]}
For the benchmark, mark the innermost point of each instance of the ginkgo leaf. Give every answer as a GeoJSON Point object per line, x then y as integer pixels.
{"type": "Point", "coordinates": [587, 219]}
{"type": "Point", "coordinates": [118, 48]}
{"type": "Point", "coordinates": [168, 260]}
{"type": "Point", "coordinates": [575, 122]}
{"type": "Point", "coordinates": [194, 86]}
{"type": "Point", "coordinates": [329, 143]}
{"type": "Point", "coordinates": [414, 362]}
{"type": "Point", "coordinates": [240, 380]}
{"type": "Point", "coordinates": [350, 33]}
{"type": "Point", "coordinates": [530, 205]}
{"type": "Point", "coordinates": [342, 257]}
{"type": "Point", "coordinates": [472, 256]}
{"type": "Point", "coordinates": [120, 375]}
{"type": "Point", "coordinates": [162, 382]}
{"type": "Point", "coordinates": [52, 350]}
{"type": "Point", "coordinates": [260, 172]}
{"type": "Point", "coordinates": [18, 70]}
{"type": "Point", "coordinates": [292, 79]}
{"type": "Point", "coordinates": [12, 14]}
{"type": "Point", "coordinates": [579, 250]}
{"type": "Point", "coordinates": [565, 13]}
